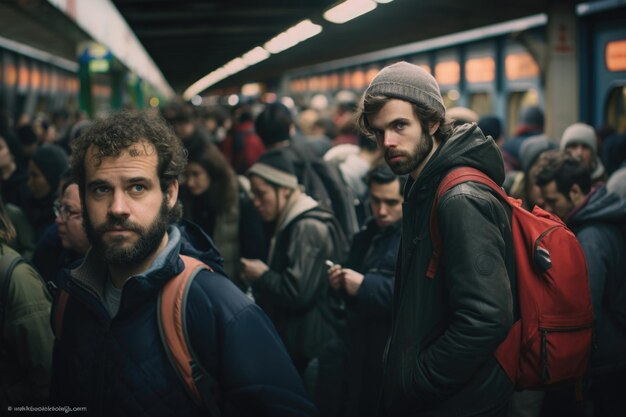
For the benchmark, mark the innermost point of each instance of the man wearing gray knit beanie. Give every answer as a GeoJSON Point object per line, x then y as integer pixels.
{"type": "Point", "coordinates": [579, 140]}
{"type": "Point", "coordinates": [449, 315]}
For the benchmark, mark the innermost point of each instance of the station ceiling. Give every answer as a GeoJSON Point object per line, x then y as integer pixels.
{"type": "Point", "coordinates": [188, 39]}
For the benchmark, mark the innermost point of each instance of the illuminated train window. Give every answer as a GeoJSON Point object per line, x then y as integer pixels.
{"type": "Point", "coordinates": [615, 111]}
{"type": "Point", "coordinates": [615, 55]}
{"type": "Point", "coordinates": [480, 70]}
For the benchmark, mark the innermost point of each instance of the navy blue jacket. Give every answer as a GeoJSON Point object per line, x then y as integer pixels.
{"type": "Point", "coordinates": [600, 226]}
{"type": "Point", "coordinates": [118, 366]}
{"type": "Point", "coordinates": [373, 253]}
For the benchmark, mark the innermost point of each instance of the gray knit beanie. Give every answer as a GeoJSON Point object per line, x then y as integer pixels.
{"type": "Point", "coordinates": [579, 133]}
{"type": "Point", "coordinates": [275, 168]}
{"type": "Point", "coordinates": [408, 82]}
{"type": "Point", "coordinates": [532, 148]}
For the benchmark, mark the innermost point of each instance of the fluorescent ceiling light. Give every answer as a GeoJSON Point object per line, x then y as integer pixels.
{"type": "Point", "coordinates": [383, 1]}
{"type": "Point", "coordinates": [255, 56]}
{"type": "Point", "coordinates": [235, 66]}
{"type": "Point", "coordinates": [348, 10]}
{"type": "Point", "coordinates": [292, 36]}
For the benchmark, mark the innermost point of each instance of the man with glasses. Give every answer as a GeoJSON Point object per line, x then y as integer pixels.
{"type": "Point", "coordinates": [66, 241]}
{"type": "Point", "coordinates": [69, 219]}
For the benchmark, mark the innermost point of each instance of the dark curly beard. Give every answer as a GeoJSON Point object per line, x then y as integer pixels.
{"type": "Point", "coordinates": [117, 254]}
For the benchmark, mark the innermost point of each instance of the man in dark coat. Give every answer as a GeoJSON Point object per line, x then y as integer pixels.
{"type": "Point", "coordinates": [367, 281]}
{"type": "Point", "coordinates": [110, 357]}
{"type": "Point", "coordinates": [439, 360]}
{"type": "Point", "coordinates": [598, 219]}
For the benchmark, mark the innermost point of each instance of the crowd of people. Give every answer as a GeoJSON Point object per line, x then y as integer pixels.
{"type": "Point", "coordinates": [315, 228]}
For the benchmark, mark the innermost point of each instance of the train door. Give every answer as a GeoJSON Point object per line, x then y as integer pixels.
{"type": "Point", "coordinates": [448, 75]}
{"type": "Point", "coordinates": [480, 77]}
{"type": "Point", "coordinates": [609, 88]}
{"type": "Point", "coordinates": [522, 83]}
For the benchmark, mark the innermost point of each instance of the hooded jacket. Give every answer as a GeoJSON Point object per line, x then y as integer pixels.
{"type": "Point", "coordinates": [600, 226]}
{"type": "Point", "coordinates": [118, 366]}
{"type": "Point", "coordinates": [294, 291]}
{"type": "Point", "coordinates": [439, 359]}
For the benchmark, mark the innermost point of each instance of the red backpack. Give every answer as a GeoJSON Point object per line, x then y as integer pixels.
{"type": "Point", "coordinates": [551, 341]}
{"type": "Point", "coordinates": [173, 330]}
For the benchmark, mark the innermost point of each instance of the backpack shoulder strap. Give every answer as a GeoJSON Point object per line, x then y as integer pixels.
{"type": "Point", "coordinates": [8, 262]}
{"type": "Point", "coordinates": [171, 311]}
{"type": "Point", "coordinates": [453, 178]}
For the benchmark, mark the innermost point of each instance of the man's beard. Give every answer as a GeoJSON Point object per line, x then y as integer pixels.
{"type": "Point", "coordinates": [116, 253]}
{"type": "Point", "coordinates": [411, 161]}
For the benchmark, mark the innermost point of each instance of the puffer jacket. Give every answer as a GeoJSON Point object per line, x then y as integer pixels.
{"type": "Point", "coordinates": [294, 291]}
{"type": "Point", "coordinates": [600, 226]}
{"type": "Point", "coordinates": [439, 359]}
{"type": "Point", "coordinates": [118, 366]}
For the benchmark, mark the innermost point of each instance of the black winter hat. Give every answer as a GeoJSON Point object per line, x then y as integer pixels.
{"type": "Point", "coordinates": [52, 161]}
{"type": "Point", "coordinates": [491, 126]}
{"type": "Point", "coordinates": [275, 168]}
{"type": "Point", "coordinates": [532, 116]}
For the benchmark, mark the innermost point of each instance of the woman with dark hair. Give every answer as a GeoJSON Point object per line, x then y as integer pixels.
{"type": "Point", "coordinates": [13, 174]}
{"type": "Point", "coordinates": [26, 337]}
{"type": "Point", "coordinates": [44, 172]}
{"type": "Point", "coordinates": [218, 201]}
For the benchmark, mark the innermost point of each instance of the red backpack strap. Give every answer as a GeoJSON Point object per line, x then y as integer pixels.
{"type": "Point", "coordinates": [171, 311]}
{"type": "Point", "coordinates": [59, 313]}
{"type": "Point", "coordinates": [453, 178]}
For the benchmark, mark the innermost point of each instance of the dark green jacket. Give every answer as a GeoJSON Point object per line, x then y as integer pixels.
{"type": "Point", "coordinates": [444, 331]}
{"type": "Point", "coordinates": [27, 338]}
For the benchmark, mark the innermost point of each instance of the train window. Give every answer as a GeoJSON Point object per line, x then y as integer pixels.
{"type": "Point", "coordinates": [481, 103]}
{"type": "Point", "coordinates": [358, 79]}
{"type": "Point", "coordinates": [447, 72]}
{"type": "Point", "coordinates": [517, 101]}
{"type": "Point", "coordinates": [370, 74]}
{"type": "Point", "coordinates": [615, 55]}
{"type": "Point", "coordinates": [615, 111]}
{"type": "Point", "coordinates": [480, 70]}
{"type": "Point", "coordinates": [520, 65]}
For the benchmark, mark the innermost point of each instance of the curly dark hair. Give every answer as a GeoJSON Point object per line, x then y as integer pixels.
{"type": "Point", "coordinates": [427, 116]}
{"type": "Point", "coordinates": [112, 135]}
{"type": "Point", "coordinates": [565, 170]}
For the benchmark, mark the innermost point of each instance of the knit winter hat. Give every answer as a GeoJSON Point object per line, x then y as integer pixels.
{"type": "Point", "coordinates": [532, 148]}
{"type": "Point", "coordinates": [408, 82]}
{"type": "Point", "coordinates": [275, 168]}
{"type": "Point", "coordinates": [532, 116]}
{"type": "Point", "coordinates": [52, 161]}
{"type": "Point", "coordinates": [579, 133]}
